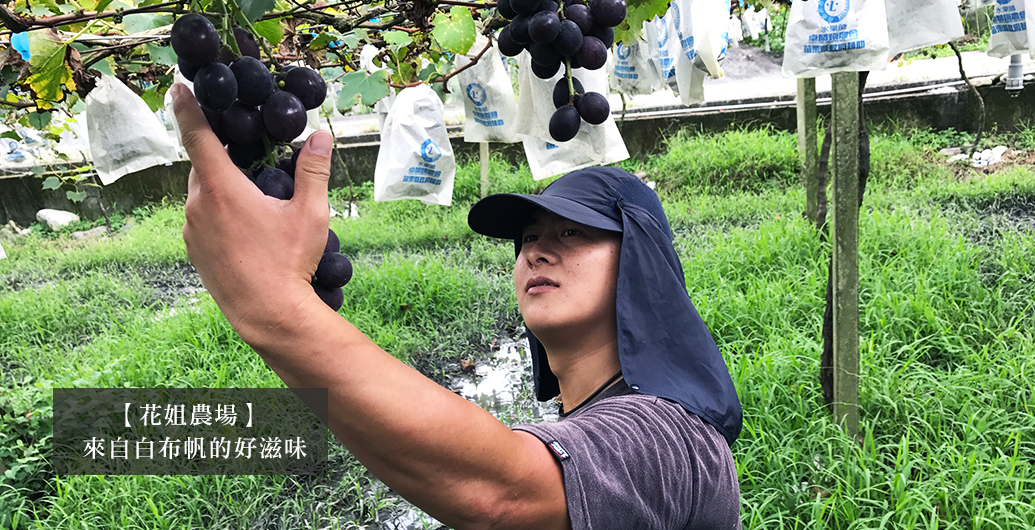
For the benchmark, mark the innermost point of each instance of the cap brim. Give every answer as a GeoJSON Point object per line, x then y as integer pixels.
{"type": "Point", "coordinates": [504, 215]}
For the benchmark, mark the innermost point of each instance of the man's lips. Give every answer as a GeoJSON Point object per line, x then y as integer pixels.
{"type": "Point", "coordinates": [540, 283]}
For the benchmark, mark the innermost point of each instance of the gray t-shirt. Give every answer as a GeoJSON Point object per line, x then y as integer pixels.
{"type": "Point", "coordinates": [633, 460]}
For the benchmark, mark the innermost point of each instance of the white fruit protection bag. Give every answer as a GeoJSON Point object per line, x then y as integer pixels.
{"type": "Point", "coordinates": [703, 37]}
{"type": "Point", "coordinates": [663, 40]}
{"type": "Point", "coordinates": [829, 36]}
{"type": "Point", "coordinates": [634, 72]}
{"type": "Point", "coordinates": [415, 160]}
{"type": "Point", "coordinates": [915, 24]}
{"type": "Point", "coordinates": [1013, 28]}
{"type": "Point", "coordinates": [489, 104]}
{"type": "Point", "coordinates": [125, 135]}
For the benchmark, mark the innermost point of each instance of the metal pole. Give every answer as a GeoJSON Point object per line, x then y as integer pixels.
{"type": "Point", "coordinates": [807, 145]}
{"type": "Point", "coordinates": [845, 118]}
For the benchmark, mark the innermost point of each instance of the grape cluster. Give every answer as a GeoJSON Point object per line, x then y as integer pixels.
{"type": "Point", "coordinates": [577, 32]}
{"type": "Point", "coordinates": [250, 110]}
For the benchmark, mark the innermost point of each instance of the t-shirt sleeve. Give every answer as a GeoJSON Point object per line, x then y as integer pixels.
{"type": "Point", "coordinates": [643, 462]}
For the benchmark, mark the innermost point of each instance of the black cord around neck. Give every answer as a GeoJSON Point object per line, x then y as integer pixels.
{"type": "Point", "coordinates": [593, 395]}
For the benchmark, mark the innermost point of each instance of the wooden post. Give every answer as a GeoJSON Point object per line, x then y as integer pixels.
{"type": "Point", "coordinates": [483, 152]}
{"type": "Point", "coordinates": [845, 122]}
{"type": "Point", "coordinates": [808, 149]}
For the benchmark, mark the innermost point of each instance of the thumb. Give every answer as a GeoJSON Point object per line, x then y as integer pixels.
{"type": "Point", "coordinates": [313, 169]}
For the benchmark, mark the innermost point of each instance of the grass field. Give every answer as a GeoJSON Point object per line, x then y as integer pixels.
{"type": "Point", "coordinates": [947, 341]}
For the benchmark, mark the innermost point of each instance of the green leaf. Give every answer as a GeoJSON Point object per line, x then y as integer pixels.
{"type": "Point", "coordinates": [105, 66]}
{"type": "Point", "coordinates": [52, 183]}
{"type": "Point", "coordinates": [11, 135]}
{"type": "Point", "coordinates": [39, 120]}
{"type": "Point", "coordinates": [75, 196]}
{"type": "Point", "coordinates": [253, 9]}
{"type": "Point", "coordinates": [37, 170]}
{"type": "Point", "coordinates": [154, 97]}
{"type": "Point", "coordinates": [145, 21]}
{"type": "Point", "coordinates": [455, 31]}
{"type": "Point", "coordinates": [638, 12]}
{"type": "Point", "coordinates": [161, 54]}
{"type": "Point", "coordinates": [354, 37]}
{"type": "Point", "coordinates": [101, 5]}
{"type": "Point", "coordinates": [396, 40]}
{"type": "Point", "coordinates": [360, 86]}
{"type": "Point", "coordinates": [322, 40]}
{"type": "Point", "coordinates": [270, 30]}
{"type": "Point", "coordinates": [50, 74]}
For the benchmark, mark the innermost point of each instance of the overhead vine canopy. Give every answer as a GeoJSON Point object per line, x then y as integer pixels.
{"type": "Point", "coordinates": [54, 50]}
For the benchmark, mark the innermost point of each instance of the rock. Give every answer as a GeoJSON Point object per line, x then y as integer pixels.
{"type": "Point", "coordinates": [86, 234]}
{"type": "Point", "coordinates": [951, 151]}
{"type": "Point", "coordinates": [981, 81]}
{"type": "Point", "coordinates": [466, 365]}
{"type": "Point", "coordinates": [11, 231]}
{"type": "Point", "coordinates": [56, 219]}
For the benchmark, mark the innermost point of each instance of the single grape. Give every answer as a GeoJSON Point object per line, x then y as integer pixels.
{"type": "Point", "coordinates": [334, 270]}
{"type": "Point", "coordinates": [608, 13]}
{"type": "Point", "coordinates": [569, 39]}
{"type": "Point", "coordinates": [574, 60]}
{"type": "Point", "coordinates": [288, 163]}
{"type": "Point", "coordinates": [547, 71]}
{"type": "Point", "coordinates": [275, 183]}
{"type": "Point", "coordinates": [593, 107]}
{"type": "Point", "coordinates": [278, 78]}
{"type": "Point", "coordinates": [215, 122]}
{"type": "Point", "coordinates": [187, 70]}
{"type": "Point", "coordinates": [564, 124]}
{"type": "Point", "coordinates": [215, 86]}
{"type": "Point", "coordinates": [544, 54]}
{"type": "Point", "coordinates": [519, 30]}
{"type": "Point", "coordinates": [246, 155]}
{"type": "Point", "coordinates": [246, 43]}
{"type": "Point", "coordinates": [561, 96]}
{"type": "Point", "coordinates": [333, 244]}
{"type": "Point", "coordinates": [195, 39]}
{"type": "Point", "coordinates": [549, 5]}
{"type": "Point", "coordinates": [334, 297]}
{"type": "Point", "coordinates": [593, 53]}
{"type": "Point", "coordinates": [243, 123]}
{"type": "Point", "coordinates": [579, 14]}
{"type": "Point", "coordinates": [284, 116]}
{"type": "Point", "coordinates": [308, 85]}
{"type": "Point", "coordinates": [604, 33]}
{"type": "Point", "coordinates": [254, 82]}
{"type": "Point", "coordinates": [544, 26]}
{"type": "Point", "coordinates": [505, 9]}
{"type": "Point", "coordinates": [507, 45]}
{"type": "Point", "coordinates": [525, 7]}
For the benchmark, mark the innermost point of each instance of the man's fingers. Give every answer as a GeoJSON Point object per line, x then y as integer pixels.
{"type": "Point", "coordinates": [313, 170]}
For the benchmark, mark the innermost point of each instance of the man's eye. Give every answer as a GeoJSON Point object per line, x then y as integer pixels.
{"type": "Point", "coordinates": [529, 238]}
{"type": "Point", "coordinates": [570, 232]}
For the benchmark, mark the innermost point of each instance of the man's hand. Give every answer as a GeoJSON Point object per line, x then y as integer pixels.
{"type": "Point", "coordinates": [255, 254]}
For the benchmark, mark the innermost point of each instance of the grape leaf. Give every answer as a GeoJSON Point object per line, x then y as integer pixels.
{"type": "Point", "coordinates": [322, 40]}
{"type": "Point", "coordinates": [52, 183]}
{"type": "Point", "coordinates": [50, 74]}
{"type": "Point", "coordinates": [455, 31]}
{"type": "Point", "coordinates": [270, 30]}
{"type": "Point", "coordinates": [11, 135]}
{"type": "Point", "coordinates": [253, 9]}
{"type": "Point", "coordinates": [142, 22]}
{"type": "Point", "coordinates": [366, 88]}
{"type": "Point", "coordinates": [638, 12]}
{"type": "Point", "coordinates": [39, 120]}
{"type": "Point", "coordinates": [75, 196]}
{"type": "Point", "coordinates": [161, 54]}
{"type": "Point", "coordinates": [154, 97]}
{"type": "Point", "coordinates": [397, 39]}
{"type": "Point", "coordinates": [37, 170]}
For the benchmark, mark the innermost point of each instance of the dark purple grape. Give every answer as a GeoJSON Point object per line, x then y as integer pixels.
{"type": "Point", "coordinates": [505, 9]}
{"type": "Point", "coordinates": [604, 33]}
{"type": "Point", "coordinates": [593, 107]}
{"type": "Point", "coordinates": [187, 70]}
{"type": "Point", "coordinates": [574, 60]}
{"type": "Point", "coordinates": [547, 71]}
{"type": "Point", "coordinates": [561, 96]}
{"type": "Point", "coordinates": [519, 30]}
{"type": "Point", "coordinates": [564, 124]}
{"type": "Point", "coordinates": [243, 123]}
{"type": "Point", "coordinates": [279, 76]}
{"type": "Point", "coordinates": [334, 270]}
{"type": "Point", "coordinates": [246, 155]}
{"type": "Point", "coordinates": [507, 45]}
{"type": "Point", "coordinates": [333, 245]}
{"type": "Point", "coordinates": [543, 27]}
{"type": "Point", "coordinates": [544, 54]}
{"type": "Point", "coordinates": [254, 81]}
{"type": "Point", "coordinates": [569, 39]}
{"type": "Point", "coordinates": [215, 122]}
{"type": "Point", "coordinates": [288, 163]}
{"type": "Point", "coordinates": [549, 5]}
{"type": "Point", "coordinates": [334, 297]}
{"type": "Point", "coordinates": [608, 13]}
{"type": "Point", "coordinates": [580, 15]}
{"type": "Point", "coordinates": [275, 183]}
{"type": "Point", "coordinates": [308, 85]}
{"type": "Point", "coordinates": [215, 86]}
{"type": "Point", "coordinates": [284, 116]}
{"type": "Point", "coordinates": [195, 39]}
{"type": "Point", "coordinates": [246, 43]}
{"type": "Point", "coordinates": [525, 7]}
{"type": "Point", "coordinates": [593, 53]}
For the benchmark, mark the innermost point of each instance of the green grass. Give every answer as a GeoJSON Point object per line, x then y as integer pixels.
{"type": "Point", "coordinates": [947, 351]}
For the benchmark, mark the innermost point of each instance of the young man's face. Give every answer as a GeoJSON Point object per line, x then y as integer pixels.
{"type": "Point", "coordinates": [566, 275]}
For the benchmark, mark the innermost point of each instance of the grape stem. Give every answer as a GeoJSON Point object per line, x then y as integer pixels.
{"type": "Point", "coordinates": [450, 75]}
{"type": "Point", "coordinates": [571, 84]}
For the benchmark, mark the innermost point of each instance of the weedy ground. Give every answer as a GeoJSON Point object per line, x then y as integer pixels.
{"type": "Point", "coordinates": [947, 266]}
